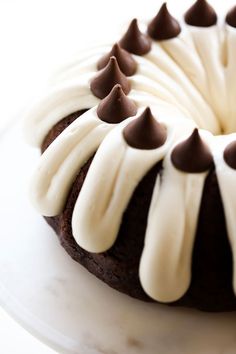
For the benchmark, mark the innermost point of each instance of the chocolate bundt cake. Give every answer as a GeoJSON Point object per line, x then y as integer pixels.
{"type": "Point", "coordinates": [138, 168]}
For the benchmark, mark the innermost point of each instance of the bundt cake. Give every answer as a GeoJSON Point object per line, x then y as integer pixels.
{"type": "Point", "coordinates": [138, 168]}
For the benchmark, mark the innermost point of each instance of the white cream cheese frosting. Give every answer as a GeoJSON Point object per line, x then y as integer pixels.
{"type": "Point", "coordinates": [187, 83]}
{"type": "Point", "coordinates": [170, 233]}
{"type": "Point", "coordinates": [226, 179]}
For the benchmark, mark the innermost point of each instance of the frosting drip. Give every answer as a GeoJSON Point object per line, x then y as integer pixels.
{"type": "Point", "coordinates": [62, 160]}
{"type": "Point", "coordinates": [165, 268]}
{"type": "Point", "coordinates": [95, 226]}
{"type": "Point", "coordinates": [226, 176]}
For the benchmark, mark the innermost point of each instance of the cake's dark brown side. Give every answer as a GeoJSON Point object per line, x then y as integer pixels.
{"type": "Point", "coordinates": [211, 285]}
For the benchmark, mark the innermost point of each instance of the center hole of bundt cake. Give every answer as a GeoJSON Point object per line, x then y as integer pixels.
{"type": "Point", "coordinates": [223, 131]}
{"type": "Point", "coordinates": [219, 123]}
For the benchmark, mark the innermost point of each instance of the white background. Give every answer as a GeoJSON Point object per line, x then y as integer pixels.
{"type": "Point", "coordinates": [36, 36]}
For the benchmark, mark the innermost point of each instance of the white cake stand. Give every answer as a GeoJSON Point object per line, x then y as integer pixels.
{"type": "Point", "coordinates": [63, 305]}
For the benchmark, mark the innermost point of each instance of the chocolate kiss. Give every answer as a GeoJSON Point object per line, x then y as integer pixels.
{"type": "Point", "coordinates": [201, 14]}
{"type": "Point", "coordinates": [145, 132]}
{"type": "Point", "coordinates": [116, 106]}
{"type": "Point", "coordinates": [231, 17]}
{"type": "Point", "coordinates": [107, 78]}
{"type": "Point", "coordinates": [192, 155]}
{"type": "Point", "coordinates": [230, 155]}
{"type": "Point", "coordinates": [135, 41]}
{"type": "Point", "coordinates": [124, 59]}
{"type": "Point", "coordinates": [164, 26]}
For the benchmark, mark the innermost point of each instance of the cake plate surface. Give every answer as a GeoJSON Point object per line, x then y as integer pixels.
{"type": "Point", "coordinates": [66, 307]}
